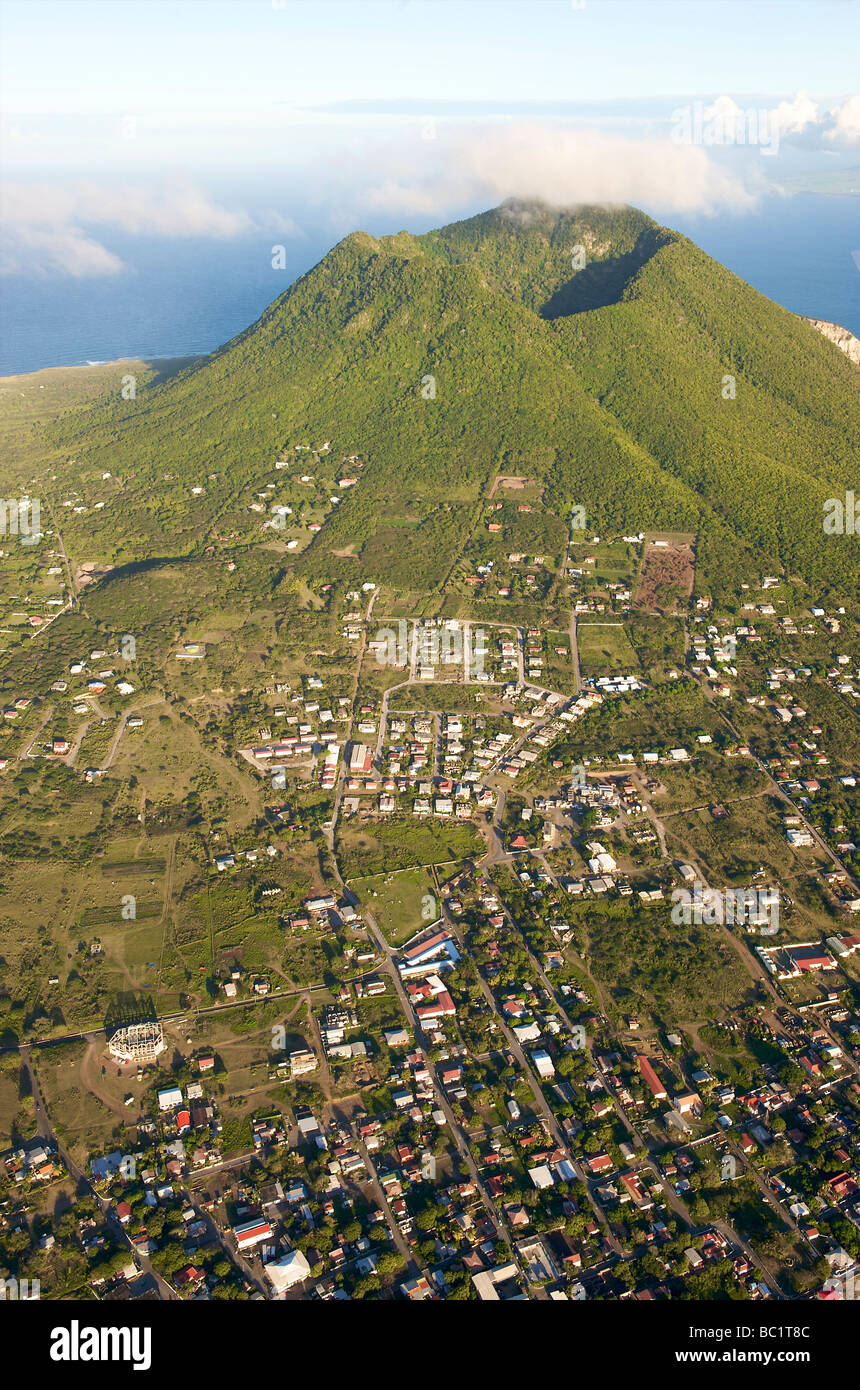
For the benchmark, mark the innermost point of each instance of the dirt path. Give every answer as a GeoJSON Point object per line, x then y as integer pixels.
{"type": "Point", "coordinates": [91, 1085]}
{"type": "Point", "coordinates": [30, 740]}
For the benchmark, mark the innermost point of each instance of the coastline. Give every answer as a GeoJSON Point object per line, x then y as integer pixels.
{"type": "Point", "coordinates": [143, 362]}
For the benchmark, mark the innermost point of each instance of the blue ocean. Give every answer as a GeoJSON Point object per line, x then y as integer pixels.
{"type": "Point", "coordinates": [183, 297]}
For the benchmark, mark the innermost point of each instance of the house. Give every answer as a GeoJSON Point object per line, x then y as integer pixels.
{"type": "Point", "coordinates": [651, 1079]}
{"type": "Point", "coordinates": [542, 1063]}
{"type": "Point", "coordinates": [396, 1037]}
{"type": "Point", "coordinates": [499, 1284]}
{"type": "Point", "coordinates": [169, 1098]}
{"type": "Point", "coordinates": [251, 1233]}
{"type": "Point", "coordinates": [541, 1175]}
{"type": "Point", "coordinates": [360, 758]}
{"type": "Point", "coordinates": [416, 1290]}
{"type": "Point", "coordinates": [191, 1276]}
{"type": "Point", "coordinates": [283, 1273]}
{"type": "Point", "coordinates": [441, 1007]}
{"type": "Point", "coordinates": [302, 1061]}
{"type": "Point", "coordinates": [689, 1103]}
{"type": "Point", "coordinates": [601, 1163]}
{"type": "Point", "coordinates": [808, 958]}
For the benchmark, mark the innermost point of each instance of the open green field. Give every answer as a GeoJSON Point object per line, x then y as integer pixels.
{"type": "Point", "coordinates": [404, 844]}
{"type": "Point", "coordinates": [83, 1121]}
{"type": "Point", "coordinates": [750, 835]}
{"type": "Point", "coordinates": [675, 973]}
{"type": "Point", "coordinates": [29, 400]}
{"type": "Point", "coordinates": [400, 902]}
{"type": "Point", "coordinates": [604, 647]}
{"type": "Point", "coordinates": [614, 561]}
{"type": "Point", "coordinates": [17, 1108]}
{"type": "Point", "coordinates": [706, 778]}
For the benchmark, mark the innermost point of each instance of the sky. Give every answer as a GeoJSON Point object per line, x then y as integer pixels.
{"type": "Point", "coordinates": [211, 118]}
{"type": "Point", "coordinates": [106, 56]}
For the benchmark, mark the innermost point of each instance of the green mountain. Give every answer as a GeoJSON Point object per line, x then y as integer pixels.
{"type": "Point", "coordinates": [445, 359]}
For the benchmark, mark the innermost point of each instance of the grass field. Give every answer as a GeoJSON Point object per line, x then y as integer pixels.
{"type": "Point", "coordinates": [403, 845]}
{"type": "Point", "coordinates": [614, 561]}
{"type": "Point", "coordinates": [401, 902]}
{"type": "Point", "coordinates": [605, 647]}
{"type": "Point", "coordinates": [750, 835]}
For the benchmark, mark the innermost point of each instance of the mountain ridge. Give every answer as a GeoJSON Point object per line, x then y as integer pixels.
{"type": "Point", "coordinates": [612, 394]}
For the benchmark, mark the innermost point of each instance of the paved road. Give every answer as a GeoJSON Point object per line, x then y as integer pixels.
{"type": "Point", "coordinates": [230, 1248]}
{"type": "Point", "coordinates": [544, 1107]}
{"type": "Point", "coordinates": [413, 1268]}
{"type": "Point", "coordinates": [672, 1197]}
{"type": "Point", "coordinates": [118, 1231]}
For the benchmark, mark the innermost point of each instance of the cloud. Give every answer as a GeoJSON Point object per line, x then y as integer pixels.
{"type": "Point", "coordinates": [800, 121]}
{"type": "Point", "coordinates": [67, 249]}
{"type": "Point", "coordinates": [846, 121]}
{"type": "Point", "coordinates": [788, 118]}
{"type": "Point", "coordinates": [793, 117]}
{"type": "Point", "coordinates": [555, 163]}
{"type": "Point", "coordinates": [47, 226]}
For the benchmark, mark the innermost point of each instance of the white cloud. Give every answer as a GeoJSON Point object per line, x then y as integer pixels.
{"type": "Point", "coordinates": [555, 163]}
{"type": "Point", "coordinates": [793, 117]}
{"type": "Point", "coordinates": [724, 109]}
{"type": "Point", "coordinates": [846, 121]}
{"type": "Point", "coordinates": [800, 121]}
{"type": "Point", "coordinates": [23, 249]}
{"type": "Point", "coordinates": [48, 225]}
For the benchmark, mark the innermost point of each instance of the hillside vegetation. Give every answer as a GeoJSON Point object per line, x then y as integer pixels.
{"type": "Point", "coordinates": [605, 384]}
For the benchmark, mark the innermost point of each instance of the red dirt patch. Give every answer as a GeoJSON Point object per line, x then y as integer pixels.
{"type": "Point", "coordinates": [668, 574]}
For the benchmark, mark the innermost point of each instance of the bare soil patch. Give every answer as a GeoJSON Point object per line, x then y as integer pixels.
{"type": "Point", "coordinates": [510, 481]}
{"type": "Point", "coordinates": [667, 577]}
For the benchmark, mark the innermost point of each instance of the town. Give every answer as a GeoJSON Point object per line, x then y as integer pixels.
{"type": "Point", "coordinates": [528, 969]}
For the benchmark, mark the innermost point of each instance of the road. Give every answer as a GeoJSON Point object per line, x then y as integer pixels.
{"type": "Point", "coordinates": [725, 1229]}
{"type": "Point", "coordinates": [413, 1269]}
{"type": "Point", "coordinates": [528, 1072]}
{"type": "Point", "coordinates": [229, 1246]}
{"type": "Point", "coordinates": [118, 1231]}
{"type": "Point", "coordinates": [574, 653]}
